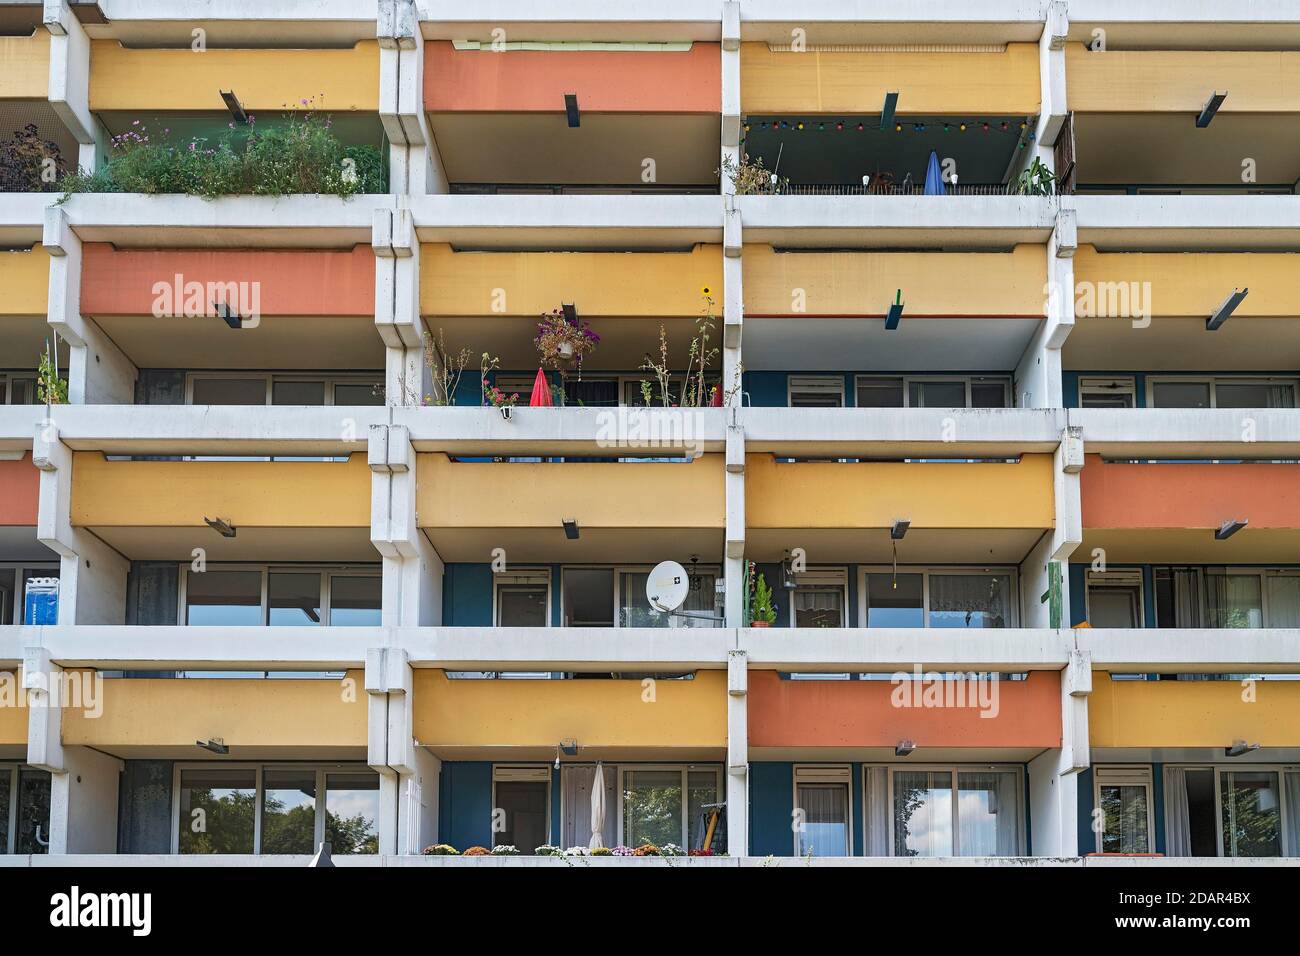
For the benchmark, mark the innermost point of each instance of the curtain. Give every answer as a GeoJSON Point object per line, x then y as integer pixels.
{"type": "Point", "coordinates": [876, 839]}
{"type": "Point", "coordinates": [969, 600]}
{"type": "Point", "coordinates": [1187, 598]}
{"type": "Point", "coordinates": [1234, 600]}
{"type": "Point", "coordinates": [575, 797]}
{"type": "Point", "coordinates": [1281, 396]}
{"type": "Point", "coordinates": [1291, 794]}
{"type": "Point", "coordinates": [922, 813]}
{"type": "Point", "coordinates": [988, 817]}
{"type": "Point", "coordinates": [826, 822]}
{"type": "Point", "coordinates": [1178, 824]}
{"type": "Point", "coordinates": [1284, 601]}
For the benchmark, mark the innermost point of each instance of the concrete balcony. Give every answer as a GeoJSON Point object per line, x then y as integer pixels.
{"type": "Point", "coordinates": [256, 718]}
{"type": "Point", "coordinates": [281, 510]}
{"type": "Point", "coordinates": [842, 511]}
{"type": "Point", "coordinates": [469, 508]}
{"type": "Point", "coordinates": [864, 720]}
{"type": "Point", "coordinates": [610, 719]}
{"type": "Point", "coordinates": [1169, 511]}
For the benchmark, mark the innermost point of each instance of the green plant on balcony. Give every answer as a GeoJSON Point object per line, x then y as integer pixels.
{"type": "Point", "coordinates": [562, 343]}
{"type": "Point", "coordinates": [445, 368]}
{"type": "Point", "coordinates": [696, 392]}
{"type": "Point", "coordinates": [29, 164]}
{"type": "Point", "coordinates": [750, 178]}
{"type": "Point", "coordinates": [1037, 180]}
{"type": "Point", "coordinates": [50, 388]}
{"type": "Point", "coordinates": [302, 156]}
{"type": "Point", "coordinates": [762, 612]}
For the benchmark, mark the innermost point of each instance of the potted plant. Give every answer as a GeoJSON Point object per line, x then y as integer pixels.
{"type": "Point", "coordinates": [561, 341]}
{"type": "Point", "coordinates": [440, 849]}
{"type": "Point", "coordinates": [762, 611]}
{"type": "Point", "coordinates": [1037, 180]}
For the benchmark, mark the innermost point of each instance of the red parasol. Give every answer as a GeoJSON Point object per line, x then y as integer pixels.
{"type": "Point", "coordinates": [541, 397]}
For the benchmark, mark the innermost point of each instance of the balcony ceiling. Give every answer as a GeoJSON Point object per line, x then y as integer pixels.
{"type": "Point", "coordinates": [1184, 546]}
{"type": "Point", "coordinates": [18, 543]}
{"type": "Point", "coordinates": [1180, 344]}
{"type": "Point", "coordinates": [249, 544]}
{"type": "Point", "coordinates": [1211, 33]}
{"type": "Point", "coordinates": [796, 343]}
{"type": "Point", "coordinates": [594, 545]}
{"type": "Point", "coordinates": [1167, 148]}
{"type": "Point", "coordinates": [872, 545]}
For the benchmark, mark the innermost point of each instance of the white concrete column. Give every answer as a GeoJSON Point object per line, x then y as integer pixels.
{"type": "Point", "coordinates": [733, 300]}
{"type": "Point", "coordinates": [737, 753]}
{"type": "Point", "coordinates": [734, 559]}
{"type": "Point", "coordinates": [415, 165]}
{"type": "Point", "coordinates": [408, 818]}
{"type": "Point", "coordinates": [1061, 541]}
{"type": "Point", "coordinates": [69, 90]}
{"type": "Point", "coordinates": [98, 372]}
{"type": "Point", "coordinates": [1053, 782]}
{"type": "Point", "coordinates": [1038, 375]}
{"type": "Point", "coordinates": [92, 576]}
{"type": "Point", "coordinates": [1053, 108]}
{"type": "Point", "coordinates": [730, 91]}
{"type": "Point", "coordinates": [412, 569]}
{"type": "Point", "coordinates": [397, 307]}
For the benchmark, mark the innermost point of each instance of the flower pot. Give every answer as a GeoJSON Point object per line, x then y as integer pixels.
{"type": "Point", "coordinates": [760, 624]}
{"type": "Point", "coordinates": [564, 350]}
{"type": "Point", "coordinates": [506, 411]}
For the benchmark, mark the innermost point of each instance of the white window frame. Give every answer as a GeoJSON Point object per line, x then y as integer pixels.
{"type": "Point", "coordinates": [522, 773]}
{"type": "Point", "coordinates": [1108, 386]}
{"type": "Point", "coordinates": [1214, 381]}
{"type": "Point", "coordinates": [967, 380]}
{"type": "Point", "coordinates": [11, 825]}
{"type": "Point", "coordinates": [329, 380]}
{"type": "Point", "coordinates": [1280, 769]}
{"type": "Point", "coordinates": [953, 770]}
{"type": "Point", "coordinates": [825, 384]}
{"type": "Point", "coordinates": [1117, 578]}
{"type": "Point", "coordinates": [8, 379]}
{"type": "Point", "coordinates": [321, 770]}
{"type": "Point", "coordinates": [327, 575]}
{"type": "Point", "coordinates": [686, 770]}
{"type": "Point", "coordinates": [832, 774]}
{"type": "Point", "coordinates": [20, 585]}
{"type": "Point", "coordinates": [823, 579]}
{"type": "Point", "coordinates": [520, 577]}
{"type": "Point", "coordinates": [618, 571]}
{"type": "Point", "coordinates": [1264, 574]}
{"type": "Point", "coordinates": [1120, 775]}
{"type": "Point", "coordinates": [925, 571]}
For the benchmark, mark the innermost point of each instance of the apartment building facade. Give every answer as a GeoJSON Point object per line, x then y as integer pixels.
{"type": "Point", "coordinates": [973, 336]}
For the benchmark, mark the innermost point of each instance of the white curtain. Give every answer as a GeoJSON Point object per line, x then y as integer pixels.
{"type": "Point", "coordinates": [825, 821]}
{"type": "Point", "coordinates": [1178, 824]}
{"type": "Point", "coordinates": [988, 813]}
{"type": "Point", "coordinates": [1187, 598]}
{"type": "Point", "coordinates": [969, 600]}
{"type": "Point", "coordinates": [1235, 600]}
{"type": "Point", "coordinates": [876, 839]}
{"type": "Point", "coordinates": [575, 797]}
{"type": "Point", "coordinates": [1284, 601]}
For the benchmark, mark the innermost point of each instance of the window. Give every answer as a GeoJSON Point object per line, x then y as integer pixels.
{"type": "Point", "coordinates": [521, 800]}
{"type": "Point", "coordinates": [523, 599]}
{"type": "Point", "coordinates": [1123, 795]}
{"type": "Point", "coordinates": [1216, 811]}
{"type": "Point", "coordinates": [280, 597]}
{"type": "Point", "coordinates": [816, 392]}
{"type": "Point", "coordinates": [1227, 597]}
{"type": "Point", "coordinates": [1107, 393]}
{"type": "Point", "coordinates": [665, 804]}
{"type": "Point", "coordinates": [1114, 598]}
{"type": "Point", "coordinates": [273, 809]}
{"type": "Point", "coordinates": [821, 796]}
{"type": "Point", "coordinates": [24, 809]}
{"type": "Point", "coordinates": [950, 391]}
{"type": "Point", "coordinates": [700, 609]}
{"type": "Point", "coordinates": [13, 588]}
{"type": "Point", "coordinates": [819, 599]}
{"type": "Point", "coordinates": [20, 389]}
{"type": "Point", "coordinates": [944, 811]}
{"type": "Point", "coordinates": [266, 388]}
{"type": "Point", "coordinates": [938, 598]}
{"type": "Point", "coordinates": [1225, 392]}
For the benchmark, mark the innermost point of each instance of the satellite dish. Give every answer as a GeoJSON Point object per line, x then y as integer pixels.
{"type": "Point", "coordinates": [666, 586]}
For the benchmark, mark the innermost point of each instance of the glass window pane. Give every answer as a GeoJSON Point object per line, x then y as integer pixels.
{"type": "Point", "coordinates": [1234, 600]}
{"type": "Point", "coordinates": [988, 395]}
{"type": "Point", "coordinates": [895, 600]}
{"type": "Point", "coordinates": [355, 600]}
{"type": "Point", "coordinates": [33, 824]}
{"type": "Point", "coordinates": [988, 813]}
{"type": "Point", "coordinates": [922, 813]}
{"type": "Point", "coordinates": [521, 605]}
{"type": "Point", "coordinates": [970, 600]}
{"type": "Point", "coordinates": [818, 607]}
{"type": "Point", "coordinates": [298, 393]}
{"type": "Point", "coordinates": [652, 807]}
{"type": "Point", "coordinates": [825, 809]}
{"type": "Point", "coordinates": [293, 598]}
{"type": "Point", "coordinates": [359, 394]}
{"type": "Point", "coordinates": [23, 391]}
{"type": "Point", "coordinates": [1114, 606]}
{"type": "Point", "coordinates": [702, 791]}
{"type": "Point", "coordinates": [938, 394]}
{"type": "Point", "coordinates": [229, 391]}
{"type": "Point", "coordinates": [352, 812]}
{"type": "Point", "coordinates": [523, 806]}
{"type": "Point", "coordinates": [1124, 810]}
{"type": "Point", "coordinates": [217, 808]}
{"type": "Point", "coordinates": [1284, 602]}
{"type": "Point", "coordinates": [1251, 813]}
{"type": "Point", "coordinates": [223, 598]}
{"type": "Point", "coordinates": [6, 782]}
{"type": "Point", "coordinates": [880, 393]}
{"type": "Point", "coordinates": [289, 811]}
{"type": "Point", "coordinates": [1181, 394]}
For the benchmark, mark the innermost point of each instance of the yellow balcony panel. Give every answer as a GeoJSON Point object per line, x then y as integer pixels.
{"type": "Point", "coordinates": [610, 719]}
{"type": "Point", "coordinates": [25, 278]}
{"type": "Point", "coordinates": [609, 284]}
{"type": "Point", "coordinates": [26, 67]}
{"type": "Point", "coordinates": [1162, 81]}
{"type": "Point", "coordinates": [960, 512]}
{"type": "Point", "coordinates": [152, 81]}
{"type": "Point", "coordinates": [939, 284]}
{"type": "Point", "coordinates": [1151, 714]}
{"type": "Point", "coordinates": [281, 510]}
{"type": "Point", "coordinates": [13, 718]}
{"type": "Point", "coordinates": [162, 718]}
{"type": "Point", "coordinates": [632, 511]}
{"type": "Point", "coordinates": [931, 83]}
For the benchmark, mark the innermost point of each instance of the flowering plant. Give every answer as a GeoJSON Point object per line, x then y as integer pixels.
{"type": "Point", "coordinates": [577, 851]}
{"type": "Point", "coordinates": [704, 852]}
{"type": "Point", "coordinates": [559, 341]}
{"type": "Point", "coordinates": [505, 850]}
{"type": "Point", "coordinates": [647, 849]}
{"type": "Point", "coordinates": [547, 849]}
{"type": "Point", "coordinates": [497, 398]}
{"type": "Point", "coordinates": [671, 849]}
{"type": "Point", "coordinates": [477, 851]}
{"type": "Point", "coordinates": [623, 851]}
{"type": "Point", "coordinates": [440, 849]}
{"type": "Point", "coordinates": [602, 851]}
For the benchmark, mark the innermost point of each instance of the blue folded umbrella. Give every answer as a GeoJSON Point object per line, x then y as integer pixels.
{"type": "Point", "coordinates": [933, 177]}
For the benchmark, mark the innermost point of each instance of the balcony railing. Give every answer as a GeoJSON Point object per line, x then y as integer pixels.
{"type": "Point", "coordinates": [895, 189]}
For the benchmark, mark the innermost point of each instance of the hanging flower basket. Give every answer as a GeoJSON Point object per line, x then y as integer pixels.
{"type": "Point", "coordinates": [563, 344]}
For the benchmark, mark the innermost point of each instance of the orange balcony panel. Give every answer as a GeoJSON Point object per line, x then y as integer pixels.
{"type": "Point", "coordinates": [154, 282]}
{"type": "Point", "coordinates": [19, 489]}
{"type": "Point", "coordinates": [605, 81]}
{"type": "Point", "coordinates": [856, 715]}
